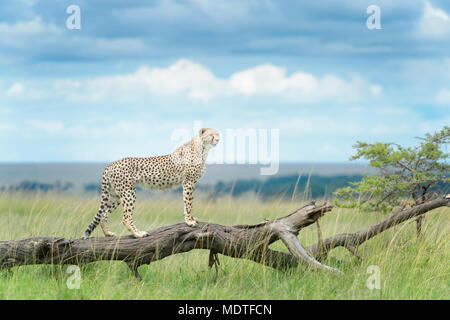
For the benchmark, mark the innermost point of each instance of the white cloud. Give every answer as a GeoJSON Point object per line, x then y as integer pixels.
{"type": "Point", "coordinates": [182, 77]}
{"type": "Point", "coordinates": [375, 89]}
{"type": "Point", "coordinates": [443, 96]}
{"type": "Point", "coordinates": [15, 89]}
{"type": "Point", "coordinates": [26, 90]}
{"type": "Point", "coordinates": [434, 23]}
{"type": "Point", "coordinates": [39, 38]}
{"type": "Point", "coordinates": [27, 28]}
{"type": "Point", "coordinates": [273, 80]}
{"type": "Point", "coordinates": [196, 82]}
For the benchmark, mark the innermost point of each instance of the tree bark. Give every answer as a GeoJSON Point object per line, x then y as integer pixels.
{"type": "Point", "coordinates": [351, 241]}
{"type": "Point", "coordinates": [239, 241]}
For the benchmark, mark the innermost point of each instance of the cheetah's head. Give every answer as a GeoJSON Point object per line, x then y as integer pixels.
{"type": "Point", "coordinates": [210, 137]}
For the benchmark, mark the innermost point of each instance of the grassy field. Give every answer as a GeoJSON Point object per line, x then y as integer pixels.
{"type": "Point", "coordinates": [410, 268]}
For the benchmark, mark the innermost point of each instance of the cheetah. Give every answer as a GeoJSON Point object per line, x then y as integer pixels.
{"type": "Point", "coordinates": [183, 167]}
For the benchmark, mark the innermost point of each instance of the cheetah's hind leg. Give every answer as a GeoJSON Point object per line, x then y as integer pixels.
{"type": "Point", "coordinates": [112, 204]}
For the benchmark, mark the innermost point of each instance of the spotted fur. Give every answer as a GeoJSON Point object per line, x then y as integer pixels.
{"type": "Point", "coordinates": [182, 167]}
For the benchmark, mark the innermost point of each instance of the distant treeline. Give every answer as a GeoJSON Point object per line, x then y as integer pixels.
{"type": "Point", "coordinates": [284, 186]}
{"type": "Point", "coordinates": [39, 186]}
{"type": "Point", "coordinates": [315, 186]}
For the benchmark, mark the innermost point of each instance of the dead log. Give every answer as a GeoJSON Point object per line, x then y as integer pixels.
{"type": "Point", "coordinates": [239, 241]}
{"type": "Point", "coordinates": [351, 241]}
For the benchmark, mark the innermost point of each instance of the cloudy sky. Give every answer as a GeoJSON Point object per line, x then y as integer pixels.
{"type": "Point", "coordinates": [138, 71]}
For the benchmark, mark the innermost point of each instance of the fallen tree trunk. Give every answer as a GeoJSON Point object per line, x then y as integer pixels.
{"type": "Point", "coordinates": [351, 241]}
{"type": "Point", "coordinates": [239, 241]}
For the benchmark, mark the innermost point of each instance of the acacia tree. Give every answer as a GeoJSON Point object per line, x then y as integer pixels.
{"type": "Point", "coordinates": [404, 173]}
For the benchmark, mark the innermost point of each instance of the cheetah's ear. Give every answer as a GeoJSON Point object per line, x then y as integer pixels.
{"type": "Point", "coordinates": [201, 131]}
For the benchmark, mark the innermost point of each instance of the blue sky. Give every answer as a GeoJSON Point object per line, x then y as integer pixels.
{"type": "Point", "coordinates": [137, 71]}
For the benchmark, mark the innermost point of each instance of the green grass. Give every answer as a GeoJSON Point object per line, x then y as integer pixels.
{"type": "Point", "coordinates": [410, 268]}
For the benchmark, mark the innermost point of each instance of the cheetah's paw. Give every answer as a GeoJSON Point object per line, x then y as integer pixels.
{"type": "Point", "coordinates": [141, 234]}
{"type": "Point", "coordinates": [110, 234]}
{"type": "Point", "coordinates": [192, 222]}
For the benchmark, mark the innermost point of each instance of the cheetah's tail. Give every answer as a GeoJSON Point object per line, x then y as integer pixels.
{"type": "Point", "coordinates": [93, 224]}
{"type": "Point", "coordinates": [97, 218]}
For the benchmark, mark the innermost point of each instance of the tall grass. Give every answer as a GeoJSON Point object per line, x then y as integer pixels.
{"type": "Point", "coordinates": [410, 268]}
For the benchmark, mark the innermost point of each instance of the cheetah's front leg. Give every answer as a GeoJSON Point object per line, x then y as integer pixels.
{"type": "Point", "coordinates": [188, 196]}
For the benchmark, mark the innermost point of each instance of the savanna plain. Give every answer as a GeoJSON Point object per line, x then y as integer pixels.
{"type": "Point", "coordinates": [409, 267]}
